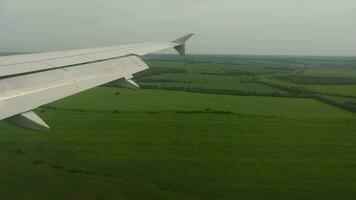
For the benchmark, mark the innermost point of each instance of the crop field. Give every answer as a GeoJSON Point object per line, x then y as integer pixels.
{"type": "Point", "coordinates": [202, 127]}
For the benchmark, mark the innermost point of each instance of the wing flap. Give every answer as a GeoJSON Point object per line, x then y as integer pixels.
{"type": "Point", "coordinates": [125, 83]}
{"type": "Point", "coordinates": [28, 120]}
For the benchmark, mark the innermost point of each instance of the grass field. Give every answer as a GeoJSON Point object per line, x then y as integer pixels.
{"type": "Point", "coordinates": [146, 101]}
{"type": "Point", "coordinates": [148, 150]}
{"type": "Point", "coordinates": [113, 143]}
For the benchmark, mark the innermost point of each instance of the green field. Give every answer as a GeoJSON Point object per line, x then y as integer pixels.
{"type": "Point", "coordinates": [156, 101]}
{"type": "Point", "coordinates": [215, 141]}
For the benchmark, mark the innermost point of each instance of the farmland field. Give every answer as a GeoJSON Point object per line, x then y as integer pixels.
{"type": "Point", "coordinates": [202, 127]}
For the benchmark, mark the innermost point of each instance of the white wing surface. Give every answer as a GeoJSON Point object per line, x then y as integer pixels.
{"type": "Point", "coordinates": [32, 80]}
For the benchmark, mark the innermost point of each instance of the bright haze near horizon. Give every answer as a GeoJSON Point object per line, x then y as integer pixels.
{"type": "Point", "coordinates": [271, 27]}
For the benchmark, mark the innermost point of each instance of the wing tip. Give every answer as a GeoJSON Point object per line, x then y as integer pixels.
{"type": "Point", "coordinates": [183, 39]}
{"type": "Point", "coordinates": [180, 43]}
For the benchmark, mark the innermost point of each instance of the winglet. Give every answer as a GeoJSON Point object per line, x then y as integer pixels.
{"type": "Point", "coordinates": [180, 42]}
{"type": "Point", "coordinates": [183, 39]}
{"type": "Point", "coordinates": [28, 120]}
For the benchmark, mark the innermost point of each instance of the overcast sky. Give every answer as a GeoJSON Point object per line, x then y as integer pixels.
{"type": "Point", "coordinates": [297, 27]}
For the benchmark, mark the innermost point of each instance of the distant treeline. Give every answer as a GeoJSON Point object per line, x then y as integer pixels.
{"type": "Point", "coordinates": [318, 80]}
{"type": "Point", "coordinates": [294, 91]}
{"type": "Point", "coordinates": [160, 80]}
{"type": "Point", "coordinates": [235, 73]}
{"type": "Point", "coordinates": [157, 71]}
{"type": "Point", "coordinates": [43, 109]}
{"type": "Point", "coordinates": [344, 106]}
{"type": "Point", "coordinates": [299, 92]}
{"type": "Point", "coordinates": [244, 58]}
{"type": "Point", "coordinates": [337, 95]}
{"type": "Point", "coordinates": [216, 91]}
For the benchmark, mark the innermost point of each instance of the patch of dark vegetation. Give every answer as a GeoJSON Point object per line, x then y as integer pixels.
{"type": "Point", "coordinates": [191, 112]}
{"type": "Point", "coordinates": [232, 59]}
{"type": "Point", "coordinates": [234, 73]}
{"type": "Point", "coordinates": [73, 170]}
{"type": "Point", "coordinates": [157, 71]}
{"type": "Point", "coordinates": [351, 103]}
{"type": "Point", "coordinates": [78, 109]}
{"type": "Point", "coordinates": [56, 165]}
{"type": "Point", "coordinates": [221, 112]}
{"type": "Point", "coordinates": [18, 152]}
{"type": "Point", "coordinates": [294, 91]}
{"type": "Point", "coordinates": [303, 93]}
{"type": "Point", "coordinates": [38, 162]}
{"type": "Point", "coordinates": [206, 111]}
{"type": "Point", "coordinates": [117, 93]}
{"type": "Point", "coordinates": [148, 80]}
{"type": "Point", "coordinates": [73, 110]}
{"type": "Point", "coordinates": [344, 106]}
{"type": "Point", "coordinates": [217, 91]}
{"type": "Point", "coordinates": [318, 80]}
{"type": "Point", "coordinates": [281, 69]}
{"type": "Point", "coordinates": [336, 95]}
{"type": "Point", "coordinates": [79, 171]}
{"type": "Point", "coordinates": [115, 111]}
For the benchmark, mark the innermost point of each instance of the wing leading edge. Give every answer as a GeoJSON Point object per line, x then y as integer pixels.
{"type": "Point", "coordinates": [34, 80]}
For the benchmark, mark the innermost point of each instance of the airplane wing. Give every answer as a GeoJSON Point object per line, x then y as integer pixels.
{"type": "Point", "coordinates": [32, 80]}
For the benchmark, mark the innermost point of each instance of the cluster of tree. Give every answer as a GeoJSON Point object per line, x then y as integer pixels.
{"type": "Point", "coordinates": [234, 73]}
{"type": "Point", "coordinates": [217, 91]}
{"type": "Point", "coordinates": [344, 106]}
{"type": "Point", "coordinates": [205, 112]}
{"type": "Point", "coordinates": [159, 80]}
{"type": "Point", "coordinates": [317, 80]}
{"type": "Point", "coordinates": [282, 69]}
{"type": "Point", "coordinates": [157, 71]}
{"type": "Point", "coordinates": [337, 95]}
{"type": "Point", "coordinates": [300, 92]}
{"type": "Point", "coordinates": [351, 103]}
{"type": "Point", "coordinates": [294, 91]}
